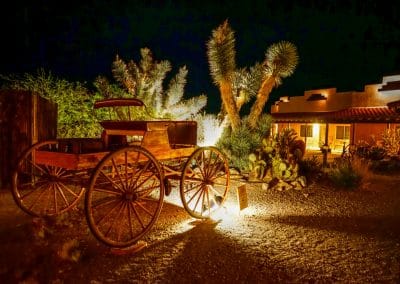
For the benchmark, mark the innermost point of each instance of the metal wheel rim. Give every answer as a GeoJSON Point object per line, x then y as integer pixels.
{"type": "Point", "coordinates": [122, 206]}
{"type": "Point", "coordinates": [43, 190]}
{"type": "Point", "coordinates": [204, 182]}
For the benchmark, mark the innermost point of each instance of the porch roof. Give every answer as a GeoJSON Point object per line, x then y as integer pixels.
{"type": "Point", "coordinates": [353, 114]}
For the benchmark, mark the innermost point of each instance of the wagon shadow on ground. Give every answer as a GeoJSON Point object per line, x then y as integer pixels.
{"type": "Point", "coordinates": [199, 255]}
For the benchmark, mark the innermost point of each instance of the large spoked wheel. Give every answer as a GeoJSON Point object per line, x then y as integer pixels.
{"type": "Point", "coordinates": [125, 196]}
{"type": "Point", "coordinates": [204, 182]}
{"type": "Point", "coordinates": [41, 189]}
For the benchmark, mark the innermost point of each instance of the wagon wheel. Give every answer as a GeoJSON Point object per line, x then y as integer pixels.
{"type": "Point", "coordinates": [41, 189]}
{"type": "Point", "coordinates": [125, 196]}
{"type": "Point", "coordinates": [204, 182]}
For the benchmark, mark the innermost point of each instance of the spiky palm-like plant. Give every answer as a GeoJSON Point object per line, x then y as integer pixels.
{"type": "Point", "coordinates": [221, 58]}
{"type": "Point", "coordinates": [280, 61]}
{"type": "Point", "coordinates": [144, 80]}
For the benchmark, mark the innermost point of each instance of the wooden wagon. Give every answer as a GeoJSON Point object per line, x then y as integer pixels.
{"type": "Point", "coordinates": [124, 175]}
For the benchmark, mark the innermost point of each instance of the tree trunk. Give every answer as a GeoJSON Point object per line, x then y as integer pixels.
{"type": "Point", "coordinates": [262, 98]}
{"type": "Point", "coordinates": [230, 105]}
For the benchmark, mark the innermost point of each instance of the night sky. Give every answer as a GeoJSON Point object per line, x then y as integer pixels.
{"type": "Point", "coordinates": [343, 44]}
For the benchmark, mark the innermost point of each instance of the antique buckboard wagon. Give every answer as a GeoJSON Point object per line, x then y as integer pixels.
{"type": "Point", "coordinates": [123, 176]}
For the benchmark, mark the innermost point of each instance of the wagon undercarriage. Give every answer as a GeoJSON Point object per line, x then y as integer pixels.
{"type": "Point", "coordinates": [124, 183]}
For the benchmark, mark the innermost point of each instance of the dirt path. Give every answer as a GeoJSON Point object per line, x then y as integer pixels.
{"type": "Point", "coordinates": [316, 235]}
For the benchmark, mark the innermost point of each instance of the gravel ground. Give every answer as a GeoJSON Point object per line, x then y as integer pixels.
{"type": "Point", "coordinates": [317, 235]}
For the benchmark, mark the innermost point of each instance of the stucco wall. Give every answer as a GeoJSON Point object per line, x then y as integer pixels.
{"type": "Point", "coordinates": [369, 97]}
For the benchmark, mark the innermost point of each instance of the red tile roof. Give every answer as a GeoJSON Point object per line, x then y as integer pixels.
{"type": "Point", "coordinates": [354, 114]}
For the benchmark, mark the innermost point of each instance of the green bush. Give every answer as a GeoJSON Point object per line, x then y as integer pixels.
{"type": "Point", "coordinates": [386, 166]}
{"type": "Point", "coordinates": [311, 168]}
{"type": "Point", "coordinates": [344, 176]}
{"type": "Point", "coordinates": [240, 144]}
{"type": "Point", "coordinates": [76, 117]}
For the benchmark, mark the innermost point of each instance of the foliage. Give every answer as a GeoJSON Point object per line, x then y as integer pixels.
{"type": "Point", "coordinates": [285, 141]}
{"type": "Point", "coordinates": [221, 57]}
{"type": "Point", "coordinates": [76, 117]}
{"type": "Point", "coordinates": [386, 166]}
{"type": "Point", "coordinates": [344, 176]}
{"type": "Point", "coordinates": [311, 168]}
{"type": "Point", "coordinates": [144, 80]}
{"type": "Point", "coordinates": [391, 141]}
{"type": "Point", "coordinates": [280, 61]}
{"type": "Point", "coordinates": [277, 157]}
{"type": "Point", "coordinates": [239, 144]}
{"type": "Point", "coordinates": [238, 86]}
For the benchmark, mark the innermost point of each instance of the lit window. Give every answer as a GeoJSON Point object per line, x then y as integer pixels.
{"type": "Point", "coordinates": [306, 131]}
{"type": "Point", "coordinates": [342, 132]}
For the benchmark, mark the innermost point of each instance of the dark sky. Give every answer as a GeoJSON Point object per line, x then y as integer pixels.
{"type": "Point", "coordinates": [343, 44]}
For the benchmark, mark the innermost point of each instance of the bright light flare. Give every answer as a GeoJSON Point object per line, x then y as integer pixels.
{"type": "Point", "coordinates": [212, 131]}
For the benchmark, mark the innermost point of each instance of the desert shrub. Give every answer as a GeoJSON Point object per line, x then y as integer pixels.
{"type": "Point", "coordinates": [239, 144]}
{"type": "Point", "coordinates": [311, 168]}
{"type": "Point", "coordinates": [386, 166]}
{"type": "Point", "coordinates": [344, 176]}
{"type": "Point", "coordinates": [391, 141]}
{"type": "Point", "coordinates": [376, 153]}
{"type": "Point", "coordinates": [298, 148]}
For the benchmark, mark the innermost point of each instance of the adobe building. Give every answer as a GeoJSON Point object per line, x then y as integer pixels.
{"type": "Point", "coordinates": [325, 117]}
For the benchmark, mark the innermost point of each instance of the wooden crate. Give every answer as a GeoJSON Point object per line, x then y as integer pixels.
{"type": "Point", "coordinates": [25, 118]}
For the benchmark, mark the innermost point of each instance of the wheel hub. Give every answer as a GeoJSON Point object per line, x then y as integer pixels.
{"type": "Point", "coordinates": [129, 196]}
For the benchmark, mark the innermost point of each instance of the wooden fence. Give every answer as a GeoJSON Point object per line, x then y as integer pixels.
{"type": "Point", "coordinates": [25, 118]}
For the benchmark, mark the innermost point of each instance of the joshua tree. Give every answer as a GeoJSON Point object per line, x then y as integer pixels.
{"type": "Point", "coordinates": [144, 80]}
{"type": "Point", "coordinates": [221, 57]}
{"type": "Point", "coordinates": [238, 86]}
{"type": "Point", "coordinates": [280, 61]}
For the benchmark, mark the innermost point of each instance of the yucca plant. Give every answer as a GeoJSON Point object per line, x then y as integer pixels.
{"type": "Point", "coordinates": [280, 61]}
{"type": "Point", "coordinates": [221, 57]}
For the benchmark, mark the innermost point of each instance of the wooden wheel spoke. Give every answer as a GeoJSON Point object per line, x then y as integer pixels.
{"type": "Point", "coordinates": [198, 199]}
{"type": "Point", "coordinates": [107, 191]}
{"type": "Point", "coordinates": [121, 224]}
{"type": "Point", "coordinates": [146, 190]}
{"type": "Point", "coordinates": [37, 199]}
{"type": "Point", "coordinates": [118, 174]}
{"type": "Point", "coordinates": [144, 208]}
{"type": "Point", "coordinates": [112, 182]}
{"type": "Point", "coordinates": [62, 194]}
{"type": "Point", "coordinates": [115, 219]}
{"type": "Point", "coordinates": [208, 164]}
{"type": "Point", "coordinates": [217, 167]}
{"type": "Point", "coordinates": [134, 170]}
{"type": "Point", "coordinates": [32, 191]}
{"type": "Point", "coordinates": [140, 172]}
{"type": "Point", "coordinates": [68, 189]}
{"type": "Point", "coordinates": [194, 179]}
{"type": "Point", "coordinates": [137, 215]}
{"type": "Point", "coordinates": [145, 180]}
{"type": "Point", "coordinates": [193, 187]}
{"type": "Point", "coordinates": [55, 198]}
{"type": "Point", "coordinates": [130, 220]}
{"type": "Point", "coordinates": [117, 202]}
{"type": "Point", "coordinates": [200, 166]}
{"type": "Point", "coordinates": [104, 202]}
{"type": "Point", "coordinates": [36, 166]}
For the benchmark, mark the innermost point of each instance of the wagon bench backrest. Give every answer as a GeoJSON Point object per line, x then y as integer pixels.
{"type": "Point", "coordinates": [156, 134]}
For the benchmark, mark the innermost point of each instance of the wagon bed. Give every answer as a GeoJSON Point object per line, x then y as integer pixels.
{"type": "Point", "coordinates": [124, 175]}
